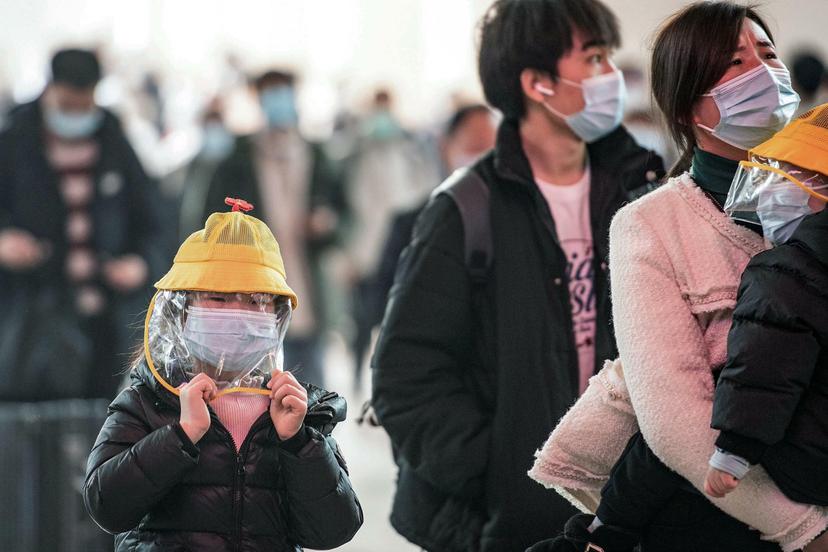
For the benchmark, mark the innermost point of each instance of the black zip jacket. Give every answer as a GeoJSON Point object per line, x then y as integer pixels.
{"type": "Point", "coordinates": [772, 396]}
{"type": "Point", "coordinates": [150, 485]}
{"type": "Point", "coordinates": [469, 379]}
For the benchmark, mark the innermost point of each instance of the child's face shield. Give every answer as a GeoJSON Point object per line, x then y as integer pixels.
{"type": "Point", "coordinates": [234, 338]}
{"type": "Point", "coordinates": [766, 191]}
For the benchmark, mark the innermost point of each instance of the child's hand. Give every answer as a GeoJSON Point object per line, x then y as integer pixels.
{"type": "Point", "coordinates": [718, 483]}
{"type": "Point", "coordinates": [288, 404]}
{"type": "Point", "coordinates": [194, 396]}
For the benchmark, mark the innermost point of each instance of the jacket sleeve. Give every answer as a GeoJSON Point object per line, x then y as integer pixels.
{"type": "Point", "coordinates": [132, 467]}
{"type": "Point", "coordinates": [669, 379]}
{"type": "Point", "coordinates": [323, 509]}
{"type": "Point", "coordinates": [426, 344]}
{"type": "Point", "coordinates": [772, 354]}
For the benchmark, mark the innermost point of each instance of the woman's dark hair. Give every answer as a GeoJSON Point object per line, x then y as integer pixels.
{"type": "Point", "coordinates": [692, 51]}
{"type": "Point", "coordinates": [534, 34]}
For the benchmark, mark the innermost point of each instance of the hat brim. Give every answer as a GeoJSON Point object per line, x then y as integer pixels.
{"type": "Point", "coordinates": [226, 277]}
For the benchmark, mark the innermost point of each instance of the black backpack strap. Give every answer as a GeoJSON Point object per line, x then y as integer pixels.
{"type": "Point", "coordinates": [471, 195]}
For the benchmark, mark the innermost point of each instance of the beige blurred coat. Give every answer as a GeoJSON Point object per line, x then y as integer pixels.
{"type": "Point", "coordinates": [675, 265]}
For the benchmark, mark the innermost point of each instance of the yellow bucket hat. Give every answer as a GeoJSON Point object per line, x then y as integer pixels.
{"type": "Point", "coordinates": [234, 253]}
{"type": "Point", "coordinates": [804, 142]}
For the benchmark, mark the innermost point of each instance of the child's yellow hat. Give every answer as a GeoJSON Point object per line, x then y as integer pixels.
{"type": "Point", "coordinates": [234, 253]}
{"type": "Point", "coordinates": [803, 143]}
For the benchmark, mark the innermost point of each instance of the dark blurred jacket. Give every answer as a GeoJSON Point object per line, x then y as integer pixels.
{"type": "Point", "coordinates": [125, 222]}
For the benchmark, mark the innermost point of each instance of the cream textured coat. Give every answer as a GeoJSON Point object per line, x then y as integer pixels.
{"type": "Point", "coordinates": [675, 266]}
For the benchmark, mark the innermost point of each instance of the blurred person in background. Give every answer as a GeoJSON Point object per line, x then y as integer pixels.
{"type": "Point", "coordinates": [472, 370]}
{"type": "Point", "coordinates": [469, 133]}
{"type": "Point", "coordinates": [298, 191]}
{"type": "Point", "coordinates": [809, 80]}
{"type": "Point", "coordinates": [217, 143]}
{"type": "Point", "coordinates": [78, 239]}
{"type": "Point", "coordinates": [388, 171]}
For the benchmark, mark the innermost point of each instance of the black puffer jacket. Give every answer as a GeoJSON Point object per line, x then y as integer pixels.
{"type": "Point", "coordinates": [772, 397]}
{"type": "Point", "coordinates": [469, 379]}
{"type": "Point", "coordinates": [157, 491]}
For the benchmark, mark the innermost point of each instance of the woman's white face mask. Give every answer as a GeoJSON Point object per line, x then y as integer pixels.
{"type": "Point", "coordinates": [753, 106]}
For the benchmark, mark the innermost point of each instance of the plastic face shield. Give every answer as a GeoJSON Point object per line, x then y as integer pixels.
{"type": "Point", "coordinates": [764, 184]}
{"type": "Point", "coordinates": [234, 338]}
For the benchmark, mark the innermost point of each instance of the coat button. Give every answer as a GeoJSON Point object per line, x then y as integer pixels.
{"type": "Point", "coordinates": [558, 281]}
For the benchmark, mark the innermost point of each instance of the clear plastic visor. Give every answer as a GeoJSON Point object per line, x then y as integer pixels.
{"type": "Point", "coordinates": [234, 338]}
{"type": "Point", "coordinates": [763, 183]}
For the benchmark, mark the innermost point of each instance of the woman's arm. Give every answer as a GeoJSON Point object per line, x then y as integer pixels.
{"type": "Point", "coordinates": [670, 383]}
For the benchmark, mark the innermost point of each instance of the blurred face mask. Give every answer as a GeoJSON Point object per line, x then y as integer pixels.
{"type": "Point", "coordinates": [279, 106]}
{"type": "Point", "coordinates": [603, 111]}
{"type": "Point", "coordinates": [753, 106]}
{"type": "Point", "coordinates": [775, 195]}
{"type": "Point", "coordinates": [217, 141]}
{"type": "Point", "coordinates": [73, 126]}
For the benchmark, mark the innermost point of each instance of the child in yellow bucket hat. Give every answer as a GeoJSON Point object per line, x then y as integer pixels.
{"type": "Point", "coordinates": [214, 446]}
{"type": "Point", "coordinates": [772, 395]}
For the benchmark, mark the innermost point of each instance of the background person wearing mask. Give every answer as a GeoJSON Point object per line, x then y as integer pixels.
{"type": "Point", "coordinates": [78, 239]}
{"type": "Point", "coordinates": [469, 377]}
{"type": "Point", "coordinates": [298, 192]}
{"type": "Point", "coordinates": [635, 447]}
{"type": "Point", "coordinates": [389, 171]}
{"type": "Point", "coordinates": [469, 133]}
{"type": "Point", "coordinates": [216, 145]}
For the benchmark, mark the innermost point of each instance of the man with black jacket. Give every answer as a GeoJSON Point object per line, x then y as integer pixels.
{"type": "Point", "coordinates": [470, 374]}
{"type": "Point", "coordinates": [78, 240]}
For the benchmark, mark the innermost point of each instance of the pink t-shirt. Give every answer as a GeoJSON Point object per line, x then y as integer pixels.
{"type": "Point", "coordinates": [570, 211]}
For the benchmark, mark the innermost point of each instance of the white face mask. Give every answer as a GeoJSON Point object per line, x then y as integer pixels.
{"type": "Point", "coordinates": [233, 341]}
{"type": "Point", "coordinates": [603, 111]}
{"type": "Point", "coordinates": [72, 126]}
{"type": "Point", "coordinates": [753, 106]}
{"type": "Point", "coordinates": [780, 209]}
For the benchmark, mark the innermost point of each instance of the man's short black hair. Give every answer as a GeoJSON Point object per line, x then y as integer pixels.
{"type": "Point", "coordinates": [75, 67]}
{"type": "Point", "coordinates": [274, 77]}
{"type": "Point", "coordinates": [534, 34]}
{"type": "Point", "coordinates": [459, 117]}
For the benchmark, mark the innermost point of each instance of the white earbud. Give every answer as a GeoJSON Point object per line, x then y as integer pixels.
{"type": "Point", "coordinates": [544, 90]}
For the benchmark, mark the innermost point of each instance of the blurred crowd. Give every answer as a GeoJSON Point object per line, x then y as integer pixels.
{"type": "Point", "coordinates": [97, 196]}
{"type": "Point", "coordinates": [96, 200]}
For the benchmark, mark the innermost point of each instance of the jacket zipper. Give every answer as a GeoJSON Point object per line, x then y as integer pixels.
{"type": "Point", "coordinates": [239, 473]}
